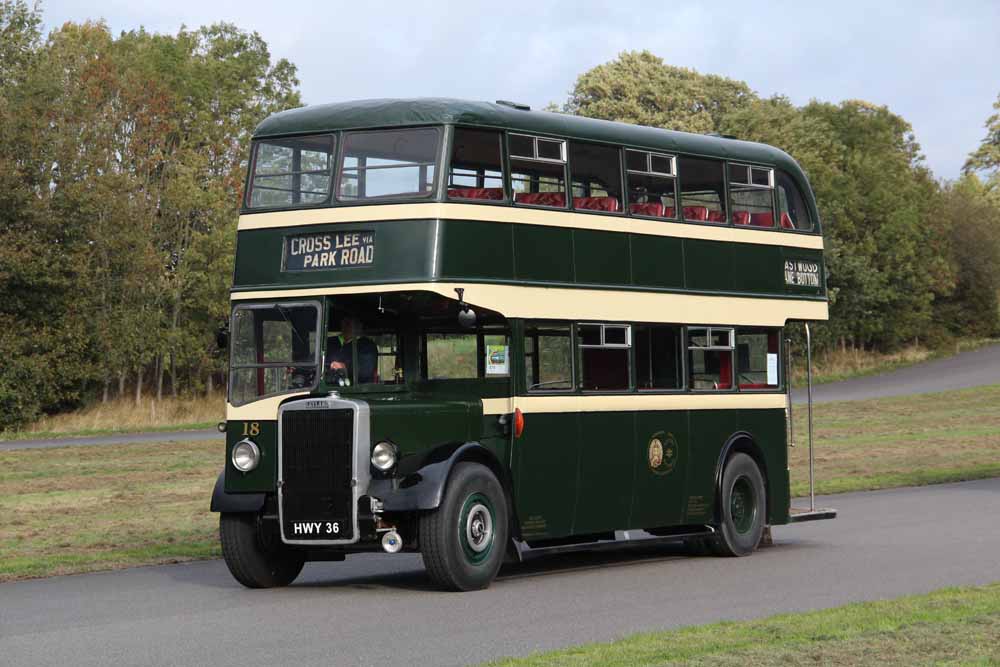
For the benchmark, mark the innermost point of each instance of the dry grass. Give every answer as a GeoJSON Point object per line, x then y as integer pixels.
{"type": "Point", "coordinates": [904, 441]}
{"type": "Point", "coordinates": [837, 364]}
{"type": "Point", "coordinates": [95, 508]}
{"type": "Point", "coordinates": [124, 415]}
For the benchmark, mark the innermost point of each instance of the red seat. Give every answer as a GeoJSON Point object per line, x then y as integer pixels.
{"type": "Point", "coordinates": [741, 217]}
{"type": "Point", "coordinates": [596, 204]}
{"type": "Point", "coordinates": [654, 209]}
{"type": "Point", "coordinates": [725, 371]}
{"type": "Point", "coordinates": [786, 221]}
{"type": "Point", "coordinates": [554, 199]}
{"type": "Point", "coordinates": [762, 219]}
{"type": "Point", "coordinates": [716, 216]}
{"type": "Point", "coordinates": [475, 193]}
{"type": "Point", "coordinates": [757, 385]}
{"type": "Point", "coordinates": [696, 213]}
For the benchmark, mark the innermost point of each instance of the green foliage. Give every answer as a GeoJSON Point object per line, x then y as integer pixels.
{"type": "Point", "coordinates": [122, 164]}
{"type": "Point", "coordinates": [986, 158]}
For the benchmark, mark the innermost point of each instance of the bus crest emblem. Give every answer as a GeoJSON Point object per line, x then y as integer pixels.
{"type": "Point", "coordinates": [662, 453]}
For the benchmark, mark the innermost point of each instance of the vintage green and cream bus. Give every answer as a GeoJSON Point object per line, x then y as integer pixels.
{"type": "Point", "coordinates": [483, 332]}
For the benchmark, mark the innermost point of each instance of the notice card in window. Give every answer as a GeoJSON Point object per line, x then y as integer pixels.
{"type": "Point", "coordinates": [772, 369]}
{"type": "Point", "coordinates": [497, 360]}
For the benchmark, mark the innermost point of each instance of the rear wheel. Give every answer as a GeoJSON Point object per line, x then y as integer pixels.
{"type": "Point", "coordinates": [255, 554]}
{"type": "Point", "coordinates": [463, 541]}
{"type": "Point", "coordinates": [743, 507]}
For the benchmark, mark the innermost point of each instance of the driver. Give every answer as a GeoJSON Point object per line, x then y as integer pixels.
{"type": "Point", "coordinates": [340, 359]}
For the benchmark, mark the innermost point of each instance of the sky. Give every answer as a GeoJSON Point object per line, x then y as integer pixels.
{"type": "Point", "coordinates": [937, 64]}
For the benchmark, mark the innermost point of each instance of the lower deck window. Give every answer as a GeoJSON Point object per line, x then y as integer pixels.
{"type": "Point", "coordinates": [450, 356]}
{"type": "Point", "coordinates": [757, 359]}
{"type": "Point", "coordinates": [604, 356]}
{"type": "Point", "coordinates": [658, 357]}
{"type": "Point", "coordinates": [548, 357]}
{"type": "Point", "coordinates": [710, 358]}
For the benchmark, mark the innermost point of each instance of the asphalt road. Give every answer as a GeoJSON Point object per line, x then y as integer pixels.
{"type": "Point", "coordinates": [156, 436]}
{"type": "Point", "coordinates": [380, 609]}
{"type": "Point", "coordinates": [974, 368]}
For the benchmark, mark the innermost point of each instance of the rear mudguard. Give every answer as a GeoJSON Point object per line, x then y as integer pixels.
{"type": "Point", "coordinates": [234, 502]}
{"type": "Point", "coordinates": [423, 489]}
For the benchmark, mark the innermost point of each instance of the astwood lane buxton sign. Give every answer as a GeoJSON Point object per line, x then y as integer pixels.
{"type": "Point", "coordinates": [332, 250]}
{"type": "Point", "coordinates": [801, 273]}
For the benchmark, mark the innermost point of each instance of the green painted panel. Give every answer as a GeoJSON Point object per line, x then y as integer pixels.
{"type": "Point", "coordinates": [546, 462]}
{"type": "Point", "coordinates": [657, 261]}
{"type": "Point", "coordinates": [264, 477]}
{"type": "Point", "coordinates": [604, 491]}
{"type": "Point", "coordinates": [708, 265]}
{"type": "Point", "coordinates": [601, 258]}
{"type": "Point", "coordinates": [709, 431]}
{"type": "Point", "coordinates": [658, 494]}
{"type": "Point", "coordinates": [476, 250]}
{"type": "Point", "coordinates": [403, 252]}
{"type": "Point", "coordinates": [543, 253]}
{"type": "Point", "coordinates": [757, 268]}
{"type": "Point", "coordinates": [770, 434]}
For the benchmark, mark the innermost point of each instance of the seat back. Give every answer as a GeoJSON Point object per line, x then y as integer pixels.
{"type": "Point", "coordinates": [475, 193]}
{"type": "Point", "coordinates": [654, 209]}
{"type": "Point", "coordinates": [741, 217]}
{"type": "Point", "coordinates": [554, 199]}
{"type": "Point", "coordinates": [596, 203]}
{"type": "Point", "coordinates": [696, 213]}
{"type": "Point", "coordinates": [762, 219]}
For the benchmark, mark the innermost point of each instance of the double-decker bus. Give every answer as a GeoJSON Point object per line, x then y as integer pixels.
{"type": "Point", "coordinates": [483, 333]}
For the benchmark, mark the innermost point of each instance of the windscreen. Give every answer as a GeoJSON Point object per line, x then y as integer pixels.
{"type": "Point", "coordinates": [275, 350]}
{"type": "Point", "coordinates": [291, 172]}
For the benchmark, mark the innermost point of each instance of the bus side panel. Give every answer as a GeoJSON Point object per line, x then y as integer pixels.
{"type": "Point", "coordinates": [769, 432]}
{"type": "Point", "coordinates": [658, 493]}
{"type": "Point", "coordinates": [604, 494]}
{"type": "Point", "coordinates": [546, 465]}
{"type": "Point", "coordinates": [710, 429]}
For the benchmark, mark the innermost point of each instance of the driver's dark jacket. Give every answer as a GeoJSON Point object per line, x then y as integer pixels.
{"type": "Point", "coordinates": [367, 358]}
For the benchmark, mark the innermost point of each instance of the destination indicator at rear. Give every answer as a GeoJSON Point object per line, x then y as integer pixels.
{"type": "Point", "coordinates": [330, 250]}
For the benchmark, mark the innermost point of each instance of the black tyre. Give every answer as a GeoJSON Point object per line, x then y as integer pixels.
{"type": "Point", "coordinates": [743, 507]}
{"type": "Point", "coordinates": [254, 553]}
{"type": "Point", "coordinates": [464, 540]}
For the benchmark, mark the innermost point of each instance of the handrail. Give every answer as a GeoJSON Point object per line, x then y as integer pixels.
{"type": "Point", "coordinates": [809, 394]}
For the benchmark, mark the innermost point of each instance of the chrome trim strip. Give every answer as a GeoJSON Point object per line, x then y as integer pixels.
{"type": "Point", "coordinates": [362, 446]}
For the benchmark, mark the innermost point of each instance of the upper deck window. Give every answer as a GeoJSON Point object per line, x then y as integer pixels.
{"type": "Point", "coordinates": [792, 205]}
{"type": "Point", "coordinates": [651, 184]}
{"type": "Point", "coordinates": [596, 175]}
{"type": "Point", "coordinates": [538, 170]}
{"type": "Point", "coordinates": [389, 164]}
{"type": "Point", "coordinates": [476, 170]}
{"type": "Point", "coordinates": [291, 172]}
{"type": "Point", "coordinates": [752, 195]}
{"type": "Point", "coordinates": [702, 189]}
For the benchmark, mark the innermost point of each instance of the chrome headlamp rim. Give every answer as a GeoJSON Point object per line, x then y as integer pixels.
{"type": "Point", "coordinates": [385, 455]}
{"type": "Point", "coordinates": [246, 445]}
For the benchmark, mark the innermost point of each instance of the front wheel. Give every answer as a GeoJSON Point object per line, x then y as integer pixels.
{"type": "Point", "coordinates": [463, 541]}
{"type": "Point", "coordinates": [743, 507]}
{"type": "Point", "coordinates": [254, 554]}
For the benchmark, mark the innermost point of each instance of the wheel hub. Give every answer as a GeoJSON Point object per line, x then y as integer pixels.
{"type": "Point", "coordinates": [479, 528]}
{"type": "Point", "coordinates": [742, 505]}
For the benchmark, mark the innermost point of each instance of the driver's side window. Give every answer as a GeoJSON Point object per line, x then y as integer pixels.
{"type": "Point", "coordinates": [548, 357]}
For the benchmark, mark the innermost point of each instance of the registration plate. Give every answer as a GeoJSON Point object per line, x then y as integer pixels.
{"type": "Point", "coordinates": [307, 529]}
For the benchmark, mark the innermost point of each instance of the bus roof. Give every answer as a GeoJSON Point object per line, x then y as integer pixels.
{"type": "Point", "coordinates": [379, 113]}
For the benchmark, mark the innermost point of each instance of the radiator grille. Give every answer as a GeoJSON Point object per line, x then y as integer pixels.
{"type": "Point", "coordinates": [317, 458]}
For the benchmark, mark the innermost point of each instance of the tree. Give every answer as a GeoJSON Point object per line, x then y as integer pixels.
{"type": "Point", "coordinates": [640, 88]}
{"type": "Point", "coordinates": [986, 158]}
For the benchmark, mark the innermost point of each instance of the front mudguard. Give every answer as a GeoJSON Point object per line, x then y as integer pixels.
{"type": "Point", "coordinates": [424, 488]}
{"type": "Point", "coordinates": [234, 502]}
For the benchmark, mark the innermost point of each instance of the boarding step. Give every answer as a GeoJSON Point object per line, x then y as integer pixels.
{"type": "Point", "coordinates": [801, 514]}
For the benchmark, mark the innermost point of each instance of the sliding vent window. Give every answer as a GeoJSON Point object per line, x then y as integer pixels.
{"type": "Point", "coordinates": [710, 358]}
{"type": "Point", "coordinates": [537, 170]}
{"type": "Point", "coordinates": [291, 172]}
{"type": "Point", "coordinates": [596, 177]}
{"type": "Point", "coordinates": [658, 358]}
{"type": "Point", "coordinates": [604, 350]}
{"type": "Point", "coordinates": [757, 359]}
{"type": "Point", "coordinates": [548, 357]}
{"type": "Point", "coordinates": [651, 184]}
{"type": "Point", "coordinates": [751, 190]}
{"type": "Point", "coordinates": [791, 204]}
{"type": "Point", "coordinates": [702, 189]}
{"type": "Point", "coordinates": [389, 164]}
{"type": "Point", "coordinates": [450, 356]}
{"type": "Point", "coordinates": [476, 166]}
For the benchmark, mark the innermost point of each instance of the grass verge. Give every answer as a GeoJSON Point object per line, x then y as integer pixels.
{"type": "Point", "coordinates": [124, 416]}
{"type": "Point", "coordinates": [79, 509]}
{"type": "Point", "coordinates": [954, 626]}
